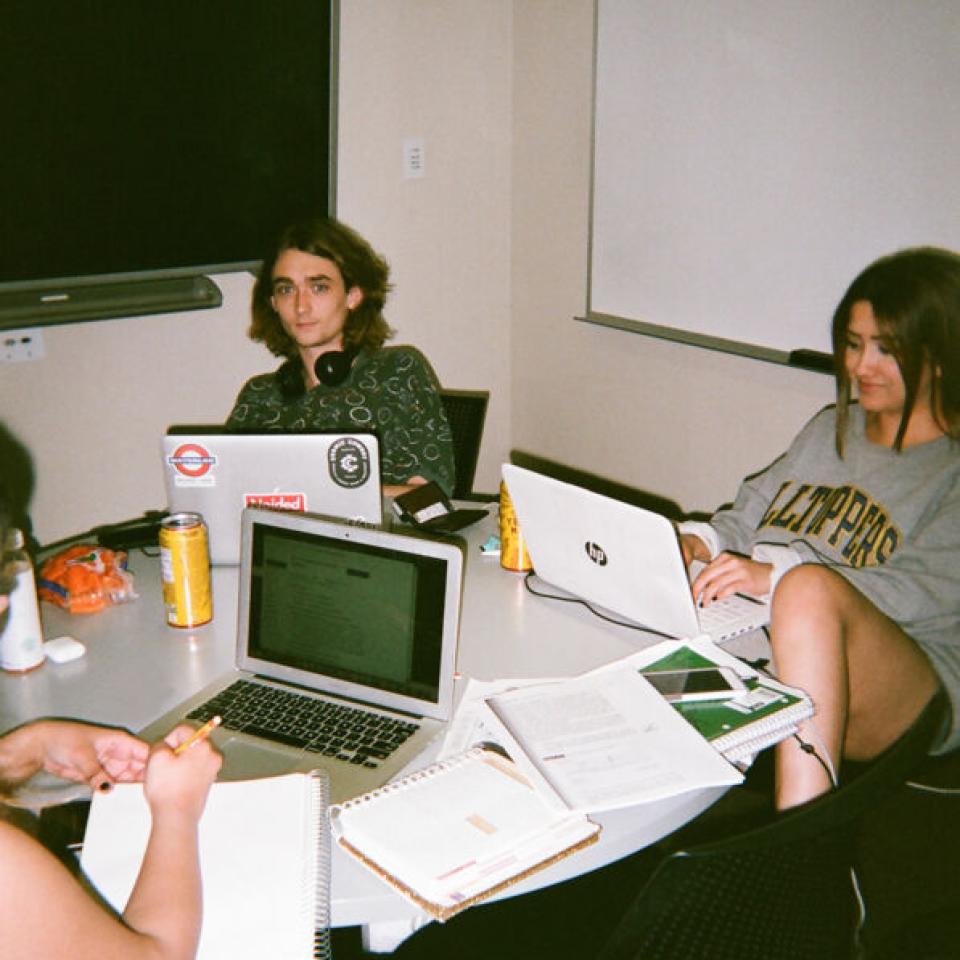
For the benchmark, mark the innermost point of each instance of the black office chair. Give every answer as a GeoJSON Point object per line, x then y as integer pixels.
{"type": "Point", "coordinates": [466, 411]}
{"type": "Point", "coordinates": [781, 889]}
{"type": "Point", "coordinates": [908, 848]}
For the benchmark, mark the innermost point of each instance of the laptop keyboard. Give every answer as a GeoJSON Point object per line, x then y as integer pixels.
{"type": "Point", "coordinates": [318, 726]}
{"type": "Point", "coordinates": [727, 613]}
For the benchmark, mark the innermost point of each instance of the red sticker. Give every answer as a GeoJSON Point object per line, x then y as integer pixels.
{"type": "Point", "coordinates": [279, 501]}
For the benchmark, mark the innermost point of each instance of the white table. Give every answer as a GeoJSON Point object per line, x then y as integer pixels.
{"type": "Point", "coordinates": [136, 668]}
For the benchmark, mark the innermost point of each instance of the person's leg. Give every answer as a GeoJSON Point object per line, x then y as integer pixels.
{"type": "Point", "coordinates": [868, 680]}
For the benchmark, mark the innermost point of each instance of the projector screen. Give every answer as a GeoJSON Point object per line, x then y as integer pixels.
{"type": "Point", "coordinates": [751, 158]}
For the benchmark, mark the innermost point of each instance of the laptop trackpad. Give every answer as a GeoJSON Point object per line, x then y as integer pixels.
{"type": "Point", "coordinates": [243, 760]}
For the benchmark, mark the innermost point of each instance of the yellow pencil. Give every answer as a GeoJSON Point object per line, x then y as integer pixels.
{"type": "Point", "coordinates": [199, 735]}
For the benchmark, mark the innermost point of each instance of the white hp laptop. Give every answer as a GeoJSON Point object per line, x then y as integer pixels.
{"type": "Point", "coordinates": [619, 556]}
{"type": "Point", "coordinates": [216, 473]}
{"type": "Point", "coordinates": [345, 654]}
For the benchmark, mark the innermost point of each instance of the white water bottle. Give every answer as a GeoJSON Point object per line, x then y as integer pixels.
{"type": "Point", "coordinates": [21, 642]}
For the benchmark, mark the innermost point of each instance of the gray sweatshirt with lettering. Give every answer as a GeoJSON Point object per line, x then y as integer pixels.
{"type": "Point", "coordinates": [889, 522]}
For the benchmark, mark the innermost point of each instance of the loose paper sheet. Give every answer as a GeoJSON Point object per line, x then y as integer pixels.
{"type": "Point", "coordinates": [604, 740]}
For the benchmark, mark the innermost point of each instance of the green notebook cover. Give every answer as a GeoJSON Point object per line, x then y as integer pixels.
{"type": "Point", "coordinates": [718, 718]}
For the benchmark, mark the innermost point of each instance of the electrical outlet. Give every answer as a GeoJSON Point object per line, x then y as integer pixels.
{"type": "Point", "coordinates": [18, 346]}
{"type": "Point", "coordinates": [414, 158]}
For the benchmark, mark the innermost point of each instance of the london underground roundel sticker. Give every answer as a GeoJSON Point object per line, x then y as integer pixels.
{"type": "Point", "coordinates": [192, 460]}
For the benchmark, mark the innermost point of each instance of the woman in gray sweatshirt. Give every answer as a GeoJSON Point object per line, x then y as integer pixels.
{"type": "Point", "coordinates": [855, 530]}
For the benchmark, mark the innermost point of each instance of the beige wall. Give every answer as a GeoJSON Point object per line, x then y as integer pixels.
{"type": "Point", "coordinates": [438, 70]}
{"type": "Point", "coordinates": [489, 252]}
{"type": "Point", "coordinates": [93, 410]}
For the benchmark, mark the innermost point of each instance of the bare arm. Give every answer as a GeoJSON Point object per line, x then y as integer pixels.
{"type": "Point", "coordinates": [165, 903]}
{"type": "Point", "coordinates": [396, 489]}
{"type": "Point", "coordinates": [693, 549]}
{"type": "Point", "coordinates": [83, 752]}
{"type": "Point", "coordinates": [44, 912]}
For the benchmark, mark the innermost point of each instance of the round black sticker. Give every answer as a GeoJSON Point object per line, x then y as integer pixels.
{"type": "Point", "coordinates": [349, 462]}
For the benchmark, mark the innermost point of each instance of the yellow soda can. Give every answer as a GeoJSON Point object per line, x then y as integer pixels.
{"type": "Point", "coordinates": [513, 548]}
{"type": "Point", "coordinates": [185, 569]}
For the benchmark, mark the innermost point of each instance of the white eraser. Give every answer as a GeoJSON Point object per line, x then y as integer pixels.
{"type": "Point", "coordinates": [63, 649]}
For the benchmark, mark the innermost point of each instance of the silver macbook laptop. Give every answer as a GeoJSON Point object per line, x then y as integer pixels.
{"type": "Point", "coordinates": [216, 473]}
{"type": "Point", "coordinates": [619, 556]}
{"type": "Point", "coordinates": [345, 654]}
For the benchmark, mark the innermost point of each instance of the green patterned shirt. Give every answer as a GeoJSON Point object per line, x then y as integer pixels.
{"type": "Point", "coordinates": [392, 393]}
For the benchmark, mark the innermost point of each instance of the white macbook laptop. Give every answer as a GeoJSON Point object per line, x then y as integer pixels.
{"type": "Point", "coordinates": [345, 655]}
{"type": "Point", "coordinates": [216, 473]}
{"type": "Point", "coordinates": [619, 556]}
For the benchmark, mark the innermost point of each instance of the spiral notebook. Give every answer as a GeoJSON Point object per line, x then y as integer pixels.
{"type": "Point", "coordinates": [738, 728]}
{"type": "Point", "coordinates": [458, 831]}
{"type": "Point", "coordinates": [264, 861]}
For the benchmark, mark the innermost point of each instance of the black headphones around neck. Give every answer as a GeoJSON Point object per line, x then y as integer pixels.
{"type": "Point", "coordinates": [331, 369]}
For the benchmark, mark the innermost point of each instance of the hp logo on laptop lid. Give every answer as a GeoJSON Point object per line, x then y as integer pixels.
{"type": "Point", "coordinates": [596, 553]}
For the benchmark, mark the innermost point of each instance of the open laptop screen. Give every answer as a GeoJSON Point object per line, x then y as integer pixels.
{"type": "Point", "coordinates": [357, 612]}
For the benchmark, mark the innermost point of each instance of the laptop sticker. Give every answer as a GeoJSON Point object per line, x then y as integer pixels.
{"type": "Point", "coordinates": [279, 501]}
{"type": "Point", "coordinates": [193, 465]}
{"type": "Point", "coordinates": [349, 462]}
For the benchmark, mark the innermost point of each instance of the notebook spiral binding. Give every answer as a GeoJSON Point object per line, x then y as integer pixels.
{"type": "Point", "coordinates": [319, 883]}
{"type": "Point", "coordinates": [432, 770]}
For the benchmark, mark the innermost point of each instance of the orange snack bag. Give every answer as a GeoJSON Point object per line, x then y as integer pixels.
{"type": "Point", "coordinates": [85, 579]}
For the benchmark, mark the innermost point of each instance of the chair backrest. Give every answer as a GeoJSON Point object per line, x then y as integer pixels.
{"type": "Point", "coordinates": [908, 847]}
{"type": "Point", "coordinates": [781, 889]}
{"type": "Point", "coordinates": [466, 411]}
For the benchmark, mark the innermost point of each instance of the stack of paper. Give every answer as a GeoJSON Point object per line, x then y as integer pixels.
{"type": "Point", "coordinates": [594, 742]}
{"type": "Point", "coordinates": [465, 827]}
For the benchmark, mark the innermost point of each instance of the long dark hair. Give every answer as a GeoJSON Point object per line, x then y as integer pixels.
{"type": "Point", "coordinates": [915, 296]}
{"type": "Point", "coordinates": [6, 580]}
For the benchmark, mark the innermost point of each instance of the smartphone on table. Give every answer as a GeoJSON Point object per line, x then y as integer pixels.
{"type": "Point", "coordinates": [698, 683]}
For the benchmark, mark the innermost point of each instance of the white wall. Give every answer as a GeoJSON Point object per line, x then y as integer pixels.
{"type": "Point", "coordinates": [489, 252]}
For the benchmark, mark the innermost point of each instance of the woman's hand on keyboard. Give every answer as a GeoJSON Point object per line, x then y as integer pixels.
{"type": "Point", "coordinates": [730, 573]}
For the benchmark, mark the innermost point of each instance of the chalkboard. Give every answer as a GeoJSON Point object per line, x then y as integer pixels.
{"type": "Point", "coordinates": [750, 158]}
{"type": "Point", "coordinates": [145, 139]}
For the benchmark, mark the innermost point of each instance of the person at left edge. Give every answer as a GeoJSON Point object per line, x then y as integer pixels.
{"type": "Point", "coordinates": [318, 302]}
{"type": "Point", "coordinates": [44, 911]}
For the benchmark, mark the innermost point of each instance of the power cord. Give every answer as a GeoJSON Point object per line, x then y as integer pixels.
{"type": "Point", "coordinates": [583, 603]}
{"type": "Point", "coordinates": [810, 749]}
{"type": "Point", "coordinates": [930, 788]}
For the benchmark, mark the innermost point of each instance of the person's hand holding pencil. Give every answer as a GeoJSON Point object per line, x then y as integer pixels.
{"type": "Point", "coordinates": [181, 768]}
{"type": "Point", "coordinates": [199, 735]}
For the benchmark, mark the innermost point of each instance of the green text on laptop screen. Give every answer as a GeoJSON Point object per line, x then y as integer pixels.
{"type": "Point", "coordinates": [361, 613]}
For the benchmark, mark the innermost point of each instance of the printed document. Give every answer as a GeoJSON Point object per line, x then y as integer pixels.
{"type": "Point", "coordinates": [603, 740]}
